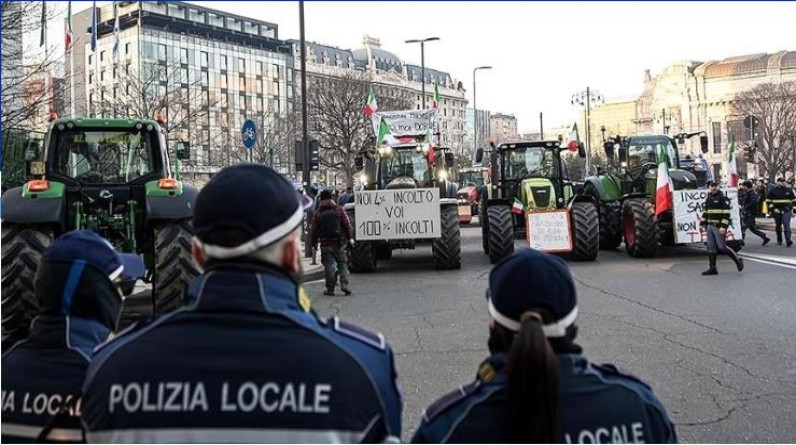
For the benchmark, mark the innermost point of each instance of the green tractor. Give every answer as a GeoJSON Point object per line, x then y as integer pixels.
{"type": "Point", "coordinates": [111, 176]}
{"type": "Point", "coordinates": [626, 195]}
{"type": "Point", "coordinates": [529, 182]}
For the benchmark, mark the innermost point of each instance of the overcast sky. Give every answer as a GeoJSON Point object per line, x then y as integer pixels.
{"type": "Point", "coordinates": [542, 52]}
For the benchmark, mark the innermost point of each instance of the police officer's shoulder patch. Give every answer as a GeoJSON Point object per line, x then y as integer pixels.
{"type": "Point", "coordinates": [450, 399]}
{"type": "Point", "coordinates": [611, 369]}
{"type": "Point", "coordinates": [363, 335]}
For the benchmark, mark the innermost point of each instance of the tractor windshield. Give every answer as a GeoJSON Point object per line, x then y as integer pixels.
{"type": "Point", "coordinates": [471, 178]}
{"type": "Point", "coordinates": [108, 157]}
{"type": "Point", "coordinates": [405, 163]}
{"type": "Point", "coordinates": [530, 162]}
{"type": "Point", "coordinates": [644, 150]}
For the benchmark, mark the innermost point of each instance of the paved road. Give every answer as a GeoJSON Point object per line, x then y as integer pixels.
{"type": "Point", "coordinates": [719, 351]}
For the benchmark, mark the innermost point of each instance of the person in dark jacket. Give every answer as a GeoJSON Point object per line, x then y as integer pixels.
{"type": "Point", "coordinates": [246, 360]}
{"type": "Point", "coordinates": [77, 286]}
{"type": "Point", "coordinates": [715, 220]}
{"type": "Point", "coordinates": [347, 197]}
{"type": "Point", "coordinates": [760, 188]}
{"type": "Point", "coordinates": [749, 203]}
{"type": "Point", "coordinates": [781, 200]}
{"type": "Point", "coordinates": [537, 386]}
{"type": "Point", "coordinates": [330, 227]}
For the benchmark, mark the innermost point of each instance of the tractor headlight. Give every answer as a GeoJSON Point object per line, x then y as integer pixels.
{"type": "Point", "coordinates": [61, 127]}
{"type": "Point", "coordinates": [419, 148]}
{"type": "Point", "coordinates": [443, 175]}
{"type": "Point", "coordinates": [363, 178]}
{"type": "Point", "coordinates": [623, 164]}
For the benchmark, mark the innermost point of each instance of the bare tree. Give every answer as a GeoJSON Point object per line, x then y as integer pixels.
{"type": "Point", "coordinates": [276, 134]}
{"type": "Point", "coordinates": [24, 96]}
{"type": "Point", "coordinates": [335, 113]}
{"type": "Point", "coordinates": [774, 106]}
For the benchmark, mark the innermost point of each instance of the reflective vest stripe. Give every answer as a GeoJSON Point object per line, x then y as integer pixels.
{"type": "Point", "coordinates": [225, 435]}
{"type": "Point", "coordinates": [32, 432]}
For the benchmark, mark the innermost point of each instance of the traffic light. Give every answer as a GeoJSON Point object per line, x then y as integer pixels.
{"type": "Point", "coordinates": [749, 153]}
{"type": "Point", "coordinates": [315, 155]}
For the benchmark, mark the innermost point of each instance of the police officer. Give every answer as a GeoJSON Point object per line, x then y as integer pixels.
{"type": "Point", "coordinates": [780, 201]}
{"type": "Point", "coordinates": [77, 288]}
{"type": "Point", "coordinates": [749, 208]}
{"type": "Point", "coordinates": [247, 360]}
{"type": "Point", "coordinates": [715, 220]}
{"type": "Point", "coordinates": [537, 387]}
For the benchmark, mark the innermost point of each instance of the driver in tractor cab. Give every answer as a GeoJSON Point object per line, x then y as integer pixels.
{"type": "Point", "coordinates": [80, 285]}
{"type": "Point", "coordinates": [715, 220]}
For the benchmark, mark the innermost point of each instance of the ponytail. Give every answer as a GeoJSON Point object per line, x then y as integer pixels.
{"type": "Point", "coordinates": [532, 372]}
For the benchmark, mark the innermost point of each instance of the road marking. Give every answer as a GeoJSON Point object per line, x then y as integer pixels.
{"type": "Point", "coordinates": [774, 258]}
{"type": "Point", "coordinates": [774, 261]}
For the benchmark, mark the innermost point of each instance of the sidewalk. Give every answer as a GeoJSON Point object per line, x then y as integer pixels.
{"type": "Point", "coordinates": [311, 272]}
{"type": "Point", "coordinates": [768, 224]}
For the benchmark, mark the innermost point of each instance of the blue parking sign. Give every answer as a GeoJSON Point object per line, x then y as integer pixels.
{"type": "Point", "coordinates": [248, 134]}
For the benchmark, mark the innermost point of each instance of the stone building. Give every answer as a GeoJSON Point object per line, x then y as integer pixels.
{"type": "Point", "coordinates": [503, 128]}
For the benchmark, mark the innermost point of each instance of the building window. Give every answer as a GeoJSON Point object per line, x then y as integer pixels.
{"type": "Point", "coordinates": [90, 59]}
{"type": "Point", "coordinates": [205, 78]}
{"type": "Point", "coordinates": [241, 65]}
{"type": "Point", "coordinates": [102, 56]}
{"type": "Point", "coordinates": [716, 137]}
{"type": "Point", "coordinates": [224, 81]}
{"type": "Point", "coordinates": [224, 100]}
{"type": "Point", "coordinates": [90, 79]}
{"type": "Point", "coordinates": [259, 68]}
{"type": "Point", "coordinates": [223, 63]}
{"type": "Point", "coordinates": [290, 75]}
{"type": "Point", "coordinates": [183, 56]}
{"type": "Point", "coordinates": [114, 73]}
{"type": "Point", "coordinates": [161, 53]}
{"type": "Point", "coordinates": [242, 84]}
{"type": "Point", "coordinates": [126, 48]}
{"type": "Point", "coordinates": [102, 76]}
{"type": "Point", "coordinates": [184, 75]}
{"type": "Point", "coordinates": [216, 20]}
{"type": "Point", "coordinates": [204, 59]}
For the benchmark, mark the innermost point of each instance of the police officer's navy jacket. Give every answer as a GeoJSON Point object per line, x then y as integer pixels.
{"type": "Point", "coordinates": [43, 373]}
{"type": "Point", "coordinates": [782, 199]}
{"type": "Point", "coordinates": [246, 361]}
{"type": "Point", "coordinates": [599, 404]}
{"type": "Point", "coordinates": [717, 210]}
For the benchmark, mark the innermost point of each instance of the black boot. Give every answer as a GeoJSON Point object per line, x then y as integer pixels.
{"type": "Point", "coordinates": [735, 258]}
{"type": "Point", "coordinates": [712, 270]}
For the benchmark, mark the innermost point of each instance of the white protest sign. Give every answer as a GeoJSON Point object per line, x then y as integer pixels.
{"type": "Point", "coordinates": [409, 122]}
{"type": "Point", "coordinates": [397, 214]}
{"type": "Point", "coordinates": [688, 208]}
{"type": "Point", "coordinates": [548, 231]}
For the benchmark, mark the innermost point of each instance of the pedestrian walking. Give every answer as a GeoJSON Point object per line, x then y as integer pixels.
{"type": "Point", "coordinates": [781, 200]}
{"type": "Point", "coordinates": [331, 229]}
{"type": "Point", "coordinates": [715, 220]}
{"type": "Point", "coordinates": [537, 386]}
{"type": "Point", "coordinates": [749, 203]}
{"type": "Point", "coordinates": [760, 188]}
{"type": "Point", "coordinates": [78, 288]}
{"type": "Point", "coordinates": [247, 360]}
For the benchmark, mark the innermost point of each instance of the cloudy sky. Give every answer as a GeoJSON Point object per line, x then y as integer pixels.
{"type": "Point", "coordinates": [542, 52]}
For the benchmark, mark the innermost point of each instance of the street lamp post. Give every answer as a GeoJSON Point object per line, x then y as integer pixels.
{"type": "Point", "coordinates": [475, 109]}
{"type": "Point", "coordinates": [585, 98]}
{"type": "Point", "coordinates": [422, 43]}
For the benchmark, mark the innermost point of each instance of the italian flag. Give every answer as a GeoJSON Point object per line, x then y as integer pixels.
{"type": "Point", "coordinates": [663, 193]}
{"type": "Point", "coordinates": [384, 130]}
{"type": "Point", "coordinates": [517, 207]}
{"type": "Point", "coordinates": [68, 35]}
{"type": "Point", "coordinates": [574, 138]}
{"type": "Point", "coordinates": [435, 99]}
{"type": "Point", "coordinates": [732, 165]}
{"type": "Point", "coordinates": [371, 106]}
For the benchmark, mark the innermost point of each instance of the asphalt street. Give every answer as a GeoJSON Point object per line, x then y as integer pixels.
{"type": "Point", "coordinates": [718, 351]}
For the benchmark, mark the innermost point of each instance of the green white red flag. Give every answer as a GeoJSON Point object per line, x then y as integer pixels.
{"type": "Point", "coordinates": [663, 192]}
{"type": "Point", "coordinates": [371, 106]}
{"type": "Point", "coordinates": [68, 34]}
{"type": "Point", "coordinates": [517, 207]}
{"type": "Point", "coordinates": [574, 138]}
{"type": "Point", "coordinates": [732, 165]}
{"type": "Point", "coordinates": [435, 99]}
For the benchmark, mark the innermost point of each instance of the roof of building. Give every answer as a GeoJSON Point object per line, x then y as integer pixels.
{"type": "Point", "coordinates": [383, 59]}
{"type": "Point", "coordinates": [317, 53]}
{"type": "Point", "coordinates": [748, 64]}
{"type": "Point", "coordinates": [439, 77]}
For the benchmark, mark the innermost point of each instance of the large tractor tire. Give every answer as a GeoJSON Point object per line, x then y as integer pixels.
{"type": "Point", "coordinates": [640, 228]}
{"type": "Point", "coordinates": [483, 221]}
{"type": "Point", "coordinates": [447, 249]}
{"type": "Point", "coordinates": [383, 252]}
{"type": "Point", "coordinates": [585, 231]}
{"type": "Point", "coordinates": [21, 254]}
{"type": "Point", "coordinates": [362, 257]}
{"type": "Point", "coordinates": [501, 232]}
{"type": "Point", "coordinates": [174, 266]}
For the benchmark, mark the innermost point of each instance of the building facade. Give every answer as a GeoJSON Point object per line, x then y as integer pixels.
{"type": "Point", "coordinates": [204, 70]}
{"type": "Point", "coordinates": [690, 96]}
{"type": "Point", "coordinates": [503, 128]}
{"type": "Point", "coordinates": [483, 133]}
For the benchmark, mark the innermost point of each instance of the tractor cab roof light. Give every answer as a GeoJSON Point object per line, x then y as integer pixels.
{"type": "Point", "coordinates": [53, 116]}
{"type": "Point", "coordinates": [38, 185]}
{"type": "Point", "coordinates": [167, 184]}
{"type": "Point", "coordinates": [139, 126]}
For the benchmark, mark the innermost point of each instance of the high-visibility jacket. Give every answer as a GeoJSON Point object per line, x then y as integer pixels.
{"type": "Point", "coordinates": [717, 211]}
{"type": "Point", "coordinates": [782, 199]}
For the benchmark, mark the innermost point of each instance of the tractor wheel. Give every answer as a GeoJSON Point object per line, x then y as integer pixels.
{"type": "Point", "coordinates": [21, 254]}
{"type": "Point", "coordinates": [483, 221]}
{"type": "Point", "coordinates": [447, 249]}
{"type": "Point", "coordinates": [362, 257]}
{"type": "Point", "coordinates": [610, 236]}
{"type": "Point", "coordinates": [383, 252]}
{"type": "Point", "coordinates": [640, 228]}
{"type": "Point", "coordinates": [501, 232]}
{"type": "Point", "coordinates": [585, 231]}
{"type": "Point", "coordinates": [174, 266]}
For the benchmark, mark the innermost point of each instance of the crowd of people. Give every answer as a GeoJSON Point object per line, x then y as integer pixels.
{"type": "Point", "coordinates": [768, 199]}
{"type": "Point", "coordinates": [247, 359]}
